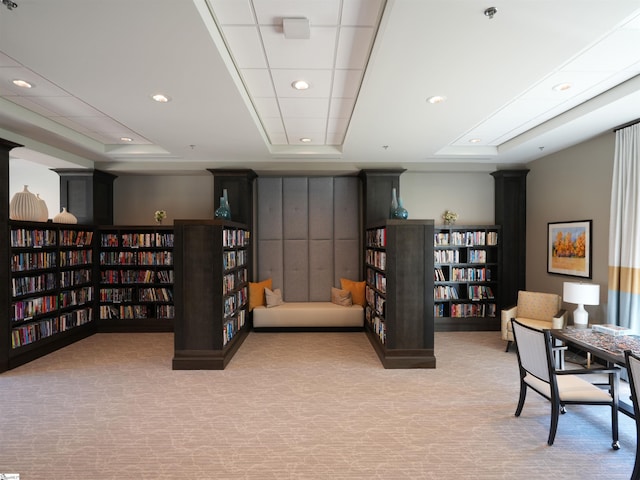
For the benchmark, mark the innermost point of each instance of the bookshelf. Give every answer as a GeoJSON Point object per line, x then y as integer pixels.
{"type": "Point", "coordinates": [136, 279]}
{"type": "Point", "coordinates": [466, 277]}
{"type": "Point", "coordinates": [52, 295]}
{"type": "Point", "coordinates": [212, 269]}
{"type": "Point", "coordinates": [398, 272]}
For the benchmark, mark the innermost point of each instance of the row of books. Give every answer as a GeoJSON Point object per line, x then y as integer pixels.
{"type": "Point", "coordinates": [233, 280]}
{"type": "Point", "coordinates": [38, 283]}
{"type": "Point", "coordinates": [376, 237]}
{"type": "Point", "coordinates": [24, 238]}
{"type": "Point", "coordinates": [75, 238]}
{"type": "Point", "coordinates": [233, 303]}
{"type": "Point", "coordinates": [71, 258]}
{"type": "Point", "coordinates": [377, 258]}
{"type": "Point", "coordinates": [232, 326]}
{"type": "Point", "coordinates": [469, 238]}
{"type": "Point", "coordinates": [445, 292]}
{"type": "Point", "coordinates": [22, 262]}
{"type": "Point", "coordinates": [70, 278]}
{"type": "Point", "coordinates": [376, 301]}
{"type": "Point", "coordinates": [80, 296]}
{"type": "Point", "coordinates": [137, 239]}
{"type": "Point", "coordinates": [377, 279]}
{"type": "Point", "coordinates": [136, 276]}
{"type": "Point", "coordinates": [127, 312]}
{"type": "Point", "coordinates": [155, 294]}
{"type": "Point", "coordinates": [32, 332]}
{"type": "Point", "coordinates": [480, 292]}
{"type": "Point", "coordinates": [459, 310]}
{"type": "Point", "coordinates": [376, 323]}
{"type": "Point", "coordinates": [233, 237]}
{"type": "Point", "coordinates": [234, 258]}
{"type": "Point", "coordinates": [470, 274]}
{"type": "Point", "coordinates": [446, 256]}
{"type": "Point", "coordinates": [475, 292]}
{"type": "Point", "coordinates": [29, 308]}
{"type": "Point", "coordinates": [136, 258]}
{"type": "Point", "coordinates": [116, 295]}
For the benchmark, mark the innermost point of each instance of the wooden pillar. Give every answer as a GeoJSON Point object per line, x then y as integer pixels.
{"type": "Point", "coordinates": [511, 214]}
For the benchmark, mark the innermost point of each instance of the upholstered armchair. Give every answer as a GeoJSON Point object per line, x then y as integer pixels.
{"type": "Point", "coordinates": [536, 310]}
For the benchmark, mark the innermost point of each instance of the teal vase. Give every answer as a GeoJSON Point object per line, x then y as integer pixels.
{"type": "Point", "coordinates": [400, 212]}
{"type": "Point", "coordinates": [223, 210]}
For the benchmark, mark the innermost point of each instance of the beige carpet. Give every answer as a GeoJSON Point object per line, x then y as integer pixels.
{"type": "Point", "coordinates": [292, 406]}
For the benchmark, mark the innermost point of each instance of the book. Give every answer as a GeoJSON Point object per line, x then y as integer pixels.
{"type": "Point", "coordinates": [611, 329]}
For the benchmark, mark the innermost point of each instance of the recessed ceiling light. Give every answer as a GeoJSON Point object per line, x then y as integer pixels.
{"type": "Point", "coordinates": [305, 140]}
{"type": "Point", "coordinates": [561, 87]}
{"type": "Point", "coordinates": [22, 83]}
{"type": "Point", "coordinates": [300, 85]}
{"type": "Point", "coordinates": [436, 99]}
{"type": "Point", "coordinates": [158, 97]}
{"type": "Point", "coordinates": [126, 139]}
{"type": "Point", "coordinates": [475, 140]}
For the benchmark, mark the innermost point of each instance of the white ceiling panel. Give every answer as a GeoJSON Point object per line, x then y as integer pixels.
{"type": "Point", "coordinates": [616, 52]}
{"type": "Point", "coordinates": [346, 83]}
{"type": "Point", "coordinates": [67, 106]}
{"type": "Point", "coordinates": [246, 47]}
{"type": "Point", "coordinates": [361, 12]}
{"type": "Point", "coordinates": [29, 104]}
{"type": "Point", "coordinates": [341, 107]}
{"type": "Point", "coordinates": [233, 12]}
{"type": "Point", "coordinates": [258, 81]}
{"type": "Point", "coordinates": [319, 12]}
{"type": "Point", "coordinates": [267, 106]}
{"type": "Point", "coordinates": [319, 83]}
{"type": "Point", "coordinates": [354, 46]}
{"type": "Point", "coordinates": [317, 52]}
{"type": "Point", "coordinates": [305, 126]}
{"type": "Point", "coordinates": [304, 107]}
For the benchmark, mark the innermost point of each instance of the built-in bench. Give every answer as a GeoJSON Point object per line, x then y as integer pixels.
{"type": "Point", "coordinates": [308, 316]}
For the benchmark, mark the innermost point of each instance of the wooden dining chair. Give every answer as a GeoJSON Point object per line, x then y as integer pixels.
{"type": "Point", "coordinates": [560, 387]}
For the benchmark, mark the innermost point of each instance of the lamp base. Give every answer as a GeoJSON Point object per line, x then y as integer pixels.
{"type": "Point", "coordinates": [580, 316]}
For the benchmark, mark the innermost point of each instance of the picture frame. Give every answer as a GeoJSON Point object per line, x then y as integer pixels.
{"type": "Point", "coordinates": [569, 248]}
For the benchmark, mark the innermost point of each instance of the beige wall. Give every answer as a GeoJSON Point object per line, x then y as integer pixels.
{"type": "Point", "coordinates": [574, 184]}
{"type": "Point", "coordinates": [428, 195]}
{"type": "Point", "coordinates": [137, 197]}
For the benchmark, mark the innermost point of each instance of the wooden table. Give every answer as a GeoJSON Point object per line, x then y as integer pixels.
{"type": "Point", "coordinates": [607, 348]}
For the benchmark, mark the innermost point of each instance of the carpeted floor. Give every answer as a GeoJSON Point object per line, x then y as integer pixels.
{"type": "Point", "coordinates": [292, 406]}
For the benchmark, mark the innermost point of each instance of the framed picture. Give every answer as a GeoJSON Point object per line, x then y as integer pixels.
{"type": "Point", "coordinates": [569, 248]}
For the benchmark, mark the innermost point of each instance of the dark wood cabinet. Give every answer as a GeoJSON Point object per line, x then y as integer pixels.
{"type": "Point", "coordinates": [377, 187]}
{"type": "Point", "coordinates": [212, 259]}
{"type": "Point", "coordinates": [239, 186]}
{"type": "Point", "coordinates": [399, 275]}
{"type": "Point", "coordinates": [135, 275]}
{"type": "Point", "coordinates": [467, 277]}
{"type": "Point", "coordinates": [88, 194]}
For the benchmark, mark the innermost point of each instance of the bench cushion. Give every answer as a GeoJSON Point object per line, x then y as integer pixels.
{"type": "Point", "coordinates": [308, 314]}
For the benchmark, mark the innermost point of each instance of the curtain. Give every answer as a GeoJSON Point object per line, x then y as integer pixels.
{"type": "Point", "coordinates": [624, 231]}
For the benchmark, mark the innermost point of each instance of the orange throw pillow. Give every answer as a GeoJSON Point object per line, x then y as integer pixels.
{"type": "Point", "coordinates": [256, 293]}
{"type": "Point", "coordinates": [356, 289]}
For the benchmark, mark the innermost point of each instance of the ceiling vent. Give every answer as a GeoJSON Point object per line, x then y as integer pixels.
{"type": "Point", "coordinates": [296, 28]}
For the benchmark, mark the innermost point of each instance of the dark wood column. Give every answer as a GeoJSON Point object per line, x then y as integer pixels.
{"type": "Point", "coordinates": [88, 194]}
{"type": "Point", "coordinates": [511, 214]}
{"type": "Point", "coordinates": [5, 264]}
{"type": "Point", "coordinates": [239, 185]}
{"type": "Point", "coordinates": [377, 186]}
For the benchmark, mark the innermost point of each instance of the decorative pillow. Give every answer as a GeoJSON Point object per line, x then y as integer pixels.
{"type": "Point", "coordinates": [274, 297]}
{"type": "Point", "coordinates": [356, 289]}
{"type": "Point", "coordinates": [341, 297]}
{"type": "Point", "coordinates": [256, 293]}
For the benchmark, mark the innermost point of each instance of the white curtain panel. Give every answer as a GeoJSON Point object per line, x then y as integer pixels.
{"type": "Point", "coordinates": [624, 231]}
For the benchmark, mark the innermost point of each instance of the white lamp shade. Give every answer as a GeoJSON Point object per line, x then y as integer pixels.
{"type": "Point", "coordinates": [581, 293]}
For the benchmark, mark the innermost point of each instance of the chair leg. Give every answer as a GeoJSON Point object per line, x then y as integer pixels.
{"type": "Point", "coordinates": [636, 467]}
{"type": "Point", "coordinates": [523, 395]}
{"type": "Point", "coordinates": [614, 427]}
{"type": "Point", "coordinates": [509, 342]}
{"type": "Point", "coordinates": [555, 412]}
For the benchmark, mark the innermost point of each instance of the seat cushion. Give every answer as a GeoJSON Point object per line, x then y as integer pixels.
{"type": "Point", "coordinates": [572, 388]}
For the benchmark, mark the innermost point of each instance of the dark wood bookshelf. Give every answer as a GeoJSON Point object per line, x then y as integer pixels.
{"type": "Point", "coordinates": [399, 305]}
{"type": "Point", "coordinates": [467, 283]}
{"type": "Point", "coordinates": [212, 259]}
{"type": "Point", "coordinates": [136, 276]}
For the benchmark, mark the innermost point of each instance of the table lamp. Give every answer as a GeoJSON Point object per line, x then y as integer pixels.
{"type": "Point", "coordinates": [581, 294]}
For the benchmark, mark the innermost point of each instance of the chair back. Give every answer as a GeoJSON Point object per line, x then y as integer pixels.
{"type": "Point", "coordinates": [538, 305]}
{"type": "Point", "coordinates": [633, 369]}
{"type": "Point", "coordinates": [534, 354]}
